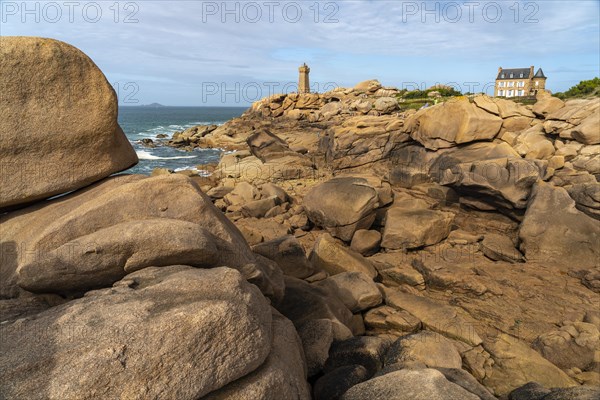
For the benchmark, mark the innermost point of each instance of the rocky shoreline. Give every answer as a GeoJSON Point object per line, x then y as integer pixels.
{"type": "Point", "coordinates": [345, 249]}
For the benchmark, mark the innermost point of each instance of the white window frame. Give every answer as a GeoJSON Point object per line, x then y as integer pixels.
{"type": "Point", "coordinates": [511, 84]}
{"type": "Point", "coordinates": [520, 93]}
{"type": "Point", "coordinates": [501, 93]}
{"type": "Point", "coordinates": [510, 93]}
{"type": "Point", "coordinates": [521, 84]}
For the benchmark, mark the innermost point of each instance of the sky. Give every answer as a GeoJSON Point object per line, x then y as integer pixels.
{"type": "Point", "coordinates": [231, 53]}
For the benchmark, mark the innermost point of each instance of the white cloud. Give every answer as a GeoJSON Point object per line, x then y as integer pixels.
{"type": "Point", "coordinates": [174, 45]}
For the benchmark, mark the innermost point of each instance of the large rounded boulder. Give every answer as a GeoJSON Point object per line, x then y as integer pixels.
{"type": "Point", "coordinates": [58, 121]}
{"type": "Point", "coordinates": [452, 123]}
{"type": "Point", "coordinates": [342, 206]}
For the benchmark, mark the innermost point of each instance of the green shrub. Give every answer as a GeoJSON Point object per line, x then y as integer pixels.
{"type": "Point", "coordinates": [584, 88]}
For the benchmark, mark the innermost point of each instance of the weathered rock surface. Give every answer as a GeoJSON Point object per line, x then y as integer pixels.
{"type": "Point", "coordinates": [409, 229]}
{"type": "Point", "coordinates": [40, 238]}
{"type": "Point", "coordinates": [366, 242]}
{"type": "Point", "coordinates": [335, 383]}
{"type": "Point", "coordinates": [420, 384]}
{"type": "Point", "coordinates": [58, 123]}
{"type": "Point", "coordinates": [588, 131]}
{"type": "Point", "coordinates": [516, 364]}
{"type": "Point", "coordinates": [535, 391]}
{"type": "Point", "coordinates": [435, 317]}
{"type": "Point", "coordinates": [304, 302]}
{"type": "Point", "coordinates": [356, 290]}
{"type": "Point", "coordinates": [334, 258]}
{"type": "Point", "coordinates": [451, 123]}
{"type": "Point", "coordinates": [342, 206]}
{"type": "Point", "coordinates": [429, 348]}
{"type": "Point", "coordinates": [287, 252]}
{"type": "Point", "coordinates": [571, 346]}
{"type": "Point", "coordinates": [317, 335]}
{"type": "Point", "coordinates": [500, 248]}
{"type": "Point", "coordinates": [502, 182]}
{"type": "Point", "coordinates": [554, 230]}
{"type": "Point", "coordinates": [546, 104]}
{"type": "Point", "coordinates": [367, 351]}
{"type": "Point", "coordinates": [388, 319]}
{"type": "Point", "coordinates": [281, 376]}
{"type": "Point", "coordinates": [174, 330]}
{"type": "Point", "coordinates": [97, 260]}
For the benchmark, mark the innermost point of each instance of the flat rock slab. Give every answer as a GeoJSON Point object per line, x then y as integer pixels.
{"type": "Point", "coordinates": [434, 316]}
{"type": "Point", "coordinates": [515, 364]}
{"type": "Point", "coordinates": [409, 229]}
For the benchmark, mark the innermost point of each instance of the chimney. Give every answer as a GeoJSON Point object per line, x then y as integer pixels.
{"type": "Point", "coordinates": [531, 72]}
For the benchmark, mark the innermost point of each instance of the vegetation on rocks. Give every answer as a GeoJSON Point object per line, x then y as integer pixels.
{"type": "Point", "coordinates": [587, 88]}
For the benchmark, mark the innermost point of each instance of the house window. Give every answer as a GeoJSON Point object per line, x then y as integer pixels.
{"type": "Point", "coordinates": [501, 93]}
{"type": "Point", "coordinates": [520, 93]}
{"type": "Point", "coordinates": [520, 76]}
{"type": "Point", "coordinates": [511, 84]}
{"type": "Point", "coordinates": [501, 84]}
{"type": "Point", "coordinates": [521, 84]}
{"type": "Point", "coordinates": [537, 83]}
{"type": "Point", "coordinates": [511, 93]}
{"type": "Point", "coordinates": [511, 75]}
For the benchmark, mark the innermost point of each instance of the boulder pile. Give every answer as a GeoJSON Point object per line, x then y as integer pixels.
{"type": "Point", "coordinates": [345, 249]}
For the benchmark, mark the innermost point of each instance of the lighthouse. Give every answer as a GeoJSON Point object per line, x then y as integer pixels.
{"type": "Point", "coordinates": [303, 82]}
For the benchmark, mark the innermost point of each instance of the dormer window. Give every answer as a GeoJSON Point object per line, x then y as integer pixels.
{"type": "Point", "coordinates": [511, 75]}
{"type": "Point", "coordinates": [502, 76]}
{"type": "Point", "coordinates": [521, 75]}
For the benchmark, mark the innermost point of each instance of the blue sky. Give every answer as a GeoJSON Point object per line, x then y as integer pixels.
{"type": "Point", "coordinates": [231, 53]}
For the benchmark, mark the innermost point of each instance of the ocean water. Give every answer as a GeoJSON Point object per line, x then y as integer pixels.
{"type": "Point", "coordinates": [148, 122]}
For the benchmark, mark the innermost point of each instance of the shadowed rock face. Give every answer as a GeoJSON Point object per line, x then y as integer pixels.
{"type": "Point", "coordinates": [58, 133]}
{"type": "Point", "coordinates": [553, 227]}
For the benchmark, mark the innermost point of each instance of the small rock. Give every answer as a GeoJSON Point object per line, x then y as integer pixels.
{"type": "Point", "coordinates": [500, 248]}
{"type": "Point", "coordinates": [366, 242]}
{"type": "Point", "coordinates": [356, 290]}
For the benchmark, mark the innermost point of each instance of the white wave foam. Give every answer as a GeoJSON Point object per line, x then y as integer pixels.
{"type": "Point", "coordinates": [144, 155]}
{"type": "Point", "coordinates": [200, 172]}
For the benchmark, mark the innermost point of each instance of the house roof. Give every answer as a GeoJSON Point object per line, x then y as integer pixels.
{"type": "Point", "coordinates": [516, 72]}
{"type": "Point", "coordinates": [539, 74]}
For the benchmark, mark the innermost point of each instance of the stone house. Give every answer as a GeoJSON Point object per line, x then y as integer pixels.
{"type": "Point", "coordinates": [519, 82]}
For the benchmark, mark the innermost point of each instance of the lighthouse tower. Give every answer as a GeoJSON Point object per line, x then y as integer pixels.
{"type": "Point", "coordinates": [303, 82]}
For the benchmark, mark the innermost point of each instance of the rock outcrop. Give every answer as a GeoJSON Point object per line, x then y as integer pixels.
{"type": "Point", "coordinates": [452, 254]}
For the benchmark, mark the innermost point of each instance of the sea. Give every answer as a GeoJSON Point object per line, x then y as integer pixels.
{"type": "Point", "coordinates": [141, 122]}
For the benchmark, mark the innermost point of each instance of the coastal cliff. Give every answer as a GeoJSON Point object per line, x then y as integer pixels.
{"type": "Point", "coordinates": [346, 248]}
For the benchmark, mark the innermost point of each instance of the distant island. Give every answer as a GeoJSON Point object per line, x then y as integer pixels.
{"type": "Point", "coordinates": [152, 105]}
